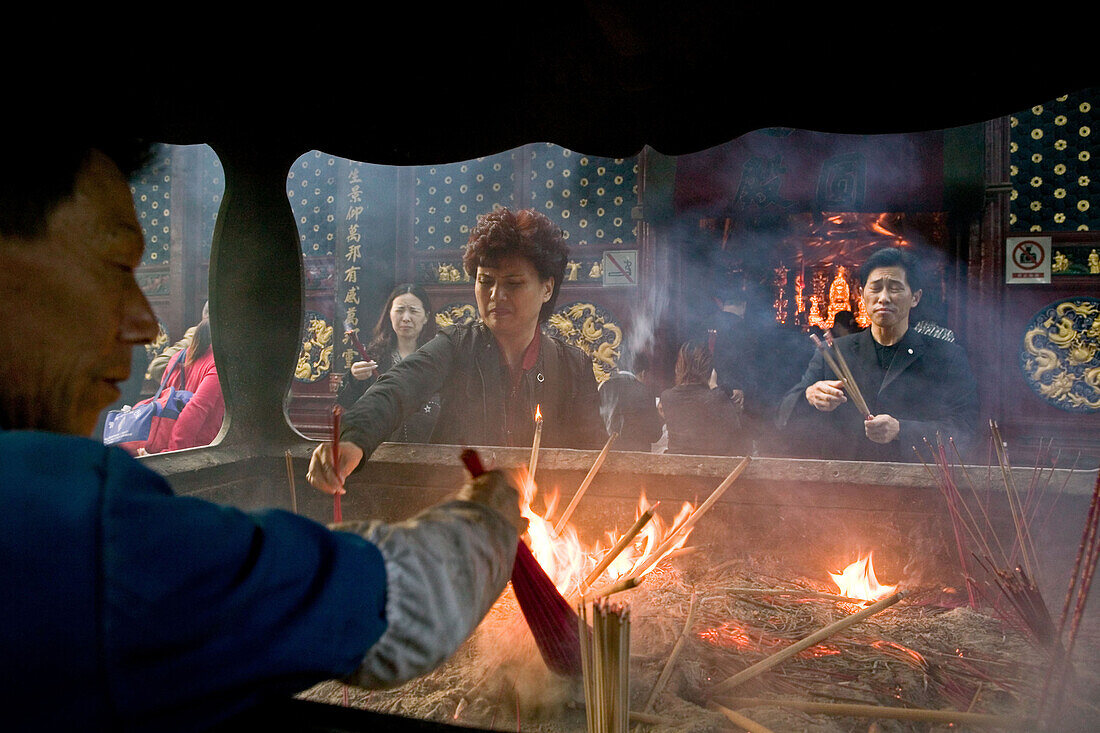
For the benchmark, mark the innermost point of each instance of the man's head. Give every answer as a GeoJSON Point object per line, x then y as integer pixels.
{"type": "Point", "coordinates": [890, 282]}
{"type": "Point", "coordinates": [71, 310]}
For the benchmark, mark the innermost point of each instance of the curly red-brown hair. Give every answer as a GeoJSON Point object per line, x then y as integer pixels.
{"type": "Point", "coordinates": [528, 233]}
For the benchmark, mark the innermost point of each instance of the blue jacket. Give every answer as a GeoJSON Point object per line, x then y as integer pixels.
{"type": "Point", "coordinates": [129, 608]}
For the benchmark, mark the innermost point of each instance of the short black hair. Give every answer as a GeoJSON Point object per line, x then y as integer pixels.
{"type": "Point", "coordinates": [893, 257]}
{"type": "Point", "coordinates": [37, 173]}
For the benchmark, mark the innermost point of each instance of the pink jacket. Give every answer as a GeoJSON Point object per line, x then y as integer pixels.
{"type": "Point", "coordinates": [201, 419]}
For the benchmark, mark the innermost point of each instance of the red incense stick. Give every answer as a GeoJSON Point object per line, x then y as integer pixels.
{"type": "Point", "coordinates": [337, 514]}
{"type": "Point", "coordinates": [553, 622]}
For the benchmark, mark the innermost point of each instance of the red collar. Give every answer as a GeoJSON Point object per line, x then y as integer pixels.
{"type": "Point", "coordinates": [530, 356]}
{"type": "Point", "coordinates": [531, 353]}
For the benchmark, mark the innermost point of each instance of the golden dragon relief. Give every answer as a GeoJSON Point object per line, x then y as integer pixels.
{"type": "Point", "coordinates": [314, 360]}
{"type": "Point", "coordinates": [1060, 356]}
{"type": "Point", "coordinates": [591, 329]}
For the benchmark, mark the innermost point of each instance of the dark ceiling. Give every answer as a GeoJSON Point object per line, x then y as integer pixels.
{"type": "Point", "coordinates": [413, 84]}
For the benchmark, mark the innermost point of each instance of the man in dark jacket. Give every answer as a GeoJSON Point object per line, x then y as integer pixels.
{"type": "Point", "coordinates": [915, 386]}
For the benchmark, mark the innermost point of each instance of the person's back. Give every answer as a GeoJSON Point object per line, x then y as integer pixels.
{"type": "Point", "coordinates": [700, 419]}
{"type": "Point", "coordinates": [628, 407]}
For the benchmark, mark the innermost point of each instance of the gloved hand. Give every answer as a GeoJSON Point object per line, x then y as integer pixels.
{"type": "Point", "coordinates": [493, 490]}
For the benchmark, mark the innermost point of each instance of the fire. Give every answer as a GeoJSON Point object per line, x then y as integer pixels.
{"type": "Point", "coordinates": [858, 581]}
{"type": "Point", "coordinates": [568, 561]}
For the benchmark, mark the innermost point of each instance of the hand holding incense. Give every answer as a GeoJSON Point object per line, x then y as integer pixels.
{"type": "Point", "coordinates": [353, 338]}
{"type": "Point", "coordinates": [552, 621]}
{"type": "Point", "coordinates": [839, 366]}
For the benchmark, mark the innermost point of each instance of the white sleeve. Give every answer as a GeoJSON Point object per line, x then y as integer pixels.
{"type": "Point", "coordinates": [445, 568]}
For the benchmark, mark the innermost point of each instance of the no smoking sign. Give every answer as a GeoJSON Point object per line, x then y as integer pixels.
{"type": "Point", "coordinates": [1027, 260]}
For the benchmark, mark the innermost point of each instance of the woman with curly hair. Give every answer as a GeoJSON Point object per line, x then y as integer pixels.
{"type": "Point", "coordinates": [406, 324]}
{"type": "Point", "coordinates": [490, 374]}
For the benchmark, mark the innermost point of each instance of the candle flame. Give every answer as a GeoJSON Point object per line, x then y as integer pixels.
{"type": "Point", "coordinates": [858, 581]}
{"type": "Point", "coordinates": [538, 413]}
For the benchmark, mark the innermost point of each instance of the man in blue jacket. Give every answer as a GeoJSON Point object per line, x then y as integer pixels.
{"type": "Point", "coordinates": [126, 607]}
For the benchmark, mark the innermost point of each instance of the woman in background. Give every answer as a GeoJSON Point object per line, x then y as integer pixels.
{"type": "Point", "coordinates": [701, 419]}
{"type": "Point", "coordinates": [201, 418]}
{"type": "Point", "coordinates": [406, 324]}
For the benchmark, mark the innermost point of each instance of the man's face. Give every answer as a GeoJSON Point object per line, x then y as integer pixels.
{"type": "Point", "coordinates": [888, 297]}
{"type": "Point", "coordinates": [71, 311]}
{"type": "Point", "coordinates": [510, 295]}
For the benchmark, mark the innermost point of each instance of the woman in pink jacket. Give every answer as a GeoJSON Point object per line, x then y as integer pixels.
{"type": "Point", "coordinates": [201, 418]}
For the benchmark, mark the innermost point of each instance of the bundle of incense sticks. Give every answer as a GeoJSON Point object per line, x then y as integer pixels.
{"type": "Point", "coordinates": [605, 660]}
{"type": "Point", "coordinates": [552, 621]}
{"type": "Point", "coordinates": [835, 359]}
{"type": "Point", "coordinates": [1061, 671]}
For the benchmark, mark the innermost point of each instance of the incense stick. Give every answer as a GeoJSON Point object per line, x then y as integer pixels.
{"type": "Point", "coordinates": [740, 720]}
{"type": "Point", "coordinates": [548, 614]}
{"type": "Point", "coordinates": [617, 550]}
{"type": "Point", "coordinates": [677, 532]}
{"type": "Point", "coordinates": [337, 512]}
{"type": "Point", "coordinates": [584, 484]}
{"type": "Point", "coordinates": [609, 590]}
{"type": "Point", "coordinates": [800, 592]}
{"type": "Point", "coordinates": [815, 638]}
{"type": "Point", "coordinates": [876, 711]}
{"type": "Point", "coordinates": [663, 678]}
{"type": "Point", "coordinates": [534, 462]}
{"type": "Point", "coordinates": [290, 479]}
{"type": "Point", "coordinates": [605, 661]}
{"type": "Point", "coordinates": [835, 359]}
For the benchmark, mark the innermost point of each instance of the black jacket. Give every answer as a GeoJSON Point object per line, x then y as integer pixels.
{"type": "Point", "coordinates": [463, 365]}
{"type": "Point", "coordinates": [928, 388]}
{"type": "Point", "coordinates": [628, 407]}
{"type": "Point", "coordinates": [417, 428]}
{"type": "Point", "coordinates": [702, 421]}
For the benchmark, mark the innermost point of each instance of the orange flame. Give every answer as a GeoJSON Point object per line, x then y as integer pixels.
{"type": "Point", "coordinates": [568, 561]}
{"type": "Point", "coordinates": [858, 581]}
{"type": "Point", "coordinates": [538, 413]}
